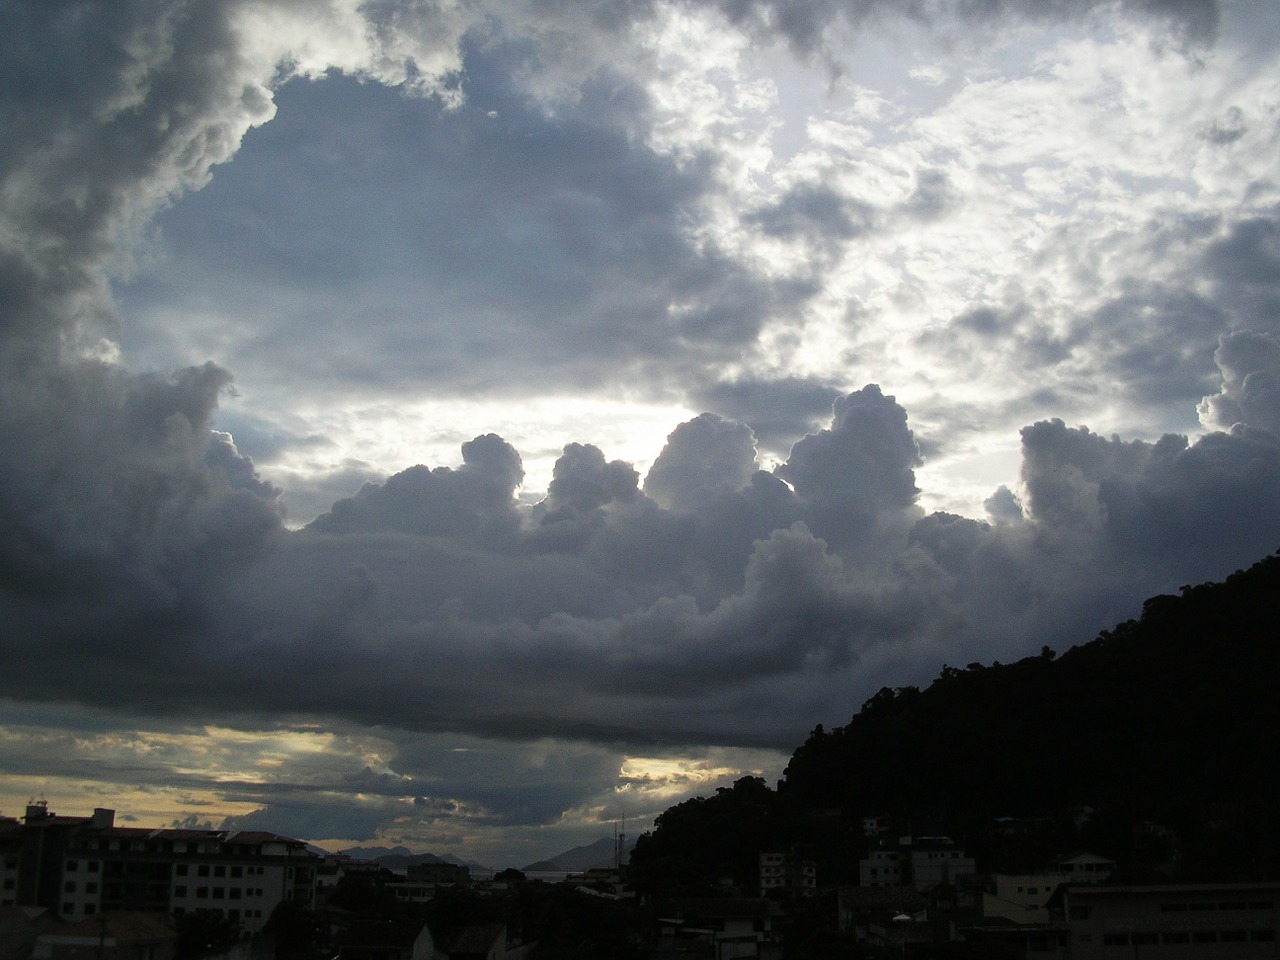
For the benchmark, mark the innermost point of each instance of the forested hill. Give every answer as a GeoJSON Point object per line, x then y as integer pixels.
{"type": "Point", "coordinates": [1158, 744]}
{"type": "Point", "coordinates": [1173, 717]}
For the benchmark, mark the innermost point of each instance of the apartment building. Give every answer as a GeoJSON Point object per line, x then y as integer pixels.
{"type": "Point", "coordinates": [1217, 921]}
{"type": "Point", "coordinates": [82, 866]}
{"type": "Point", "coordinates": [790, 873]}
{"type": "Point", "coordinates": [920, 862]}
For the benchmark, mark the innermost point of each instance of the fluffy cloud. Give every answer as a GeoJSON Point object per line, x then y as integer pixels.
{"type": "Point", "coordinates": [1250, 394]}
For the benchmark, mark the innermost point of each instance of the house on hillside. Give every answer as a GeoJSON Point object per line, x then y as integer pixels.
{"type": "Point", "coordinates": [1020, 898]}
{"type": "Point", "coordinates": [1085, 867]}
{"type": "Point", "coordinates": [920, 862]}
{"type": "Point", "coordinates": [732, 928]}
{"type": "Point", "coordinates": [788, 873]}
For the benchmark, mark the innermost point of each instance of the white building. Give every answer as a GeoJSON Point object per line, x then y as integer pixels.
{"type": "Point", "coordinates": [1022, 897]}
{"type": "Point", "coordinates": [1222, 921]}
{"type": "Point", "coordinates": [921, 862]}
{"type": "Point", "coordinates": [1085, 868]}
{"type": "Point", "coordinates": [82, 866]}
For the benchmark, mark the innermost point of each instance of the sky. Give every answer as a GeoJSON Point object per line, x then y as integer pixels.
{"type": "Point", "coordinates": [467, 424]}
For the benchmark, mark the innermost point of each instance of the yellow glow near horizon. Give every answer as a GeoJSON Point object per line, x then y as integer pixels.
{"type": "Point", "coordinates": [660, 778]}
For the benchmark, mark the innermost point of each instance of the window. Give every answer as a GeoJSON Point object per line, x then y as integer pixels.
{"type": "Point", "coordinates": [73, 866]}
{"type": "Point", "coordinates": [90, 887]}
{"type": "Point", "coordinates": [181, 870]}
{"type": "Point", "coordinates": [1140, 939]}
{"type": "Point", "coordinates": [180, 891]}
{"type": "Point", "coordinates": [68, 908]}
{"type": "Point", "coordinates": [236, 871]}
{"type": "Point", "coordinates": [1262, 936]}
{"type": "Point", "coordinates": [1234, 936]}
{"type": "Point", "coordinates": [219, 893]}
{"type": "Point", "coordinates": [202, 893]}
{"type": "Point", "coordinates": [1177, 936]}
{"type": "Point", "coordinates": [90, 908]}
{"type": "Point", "coordinates": [1115, 940]}
{"type": "Point", "coordinates": [92, 866]}
{"type": "Point", "coordinates": [1203, 936]}
{"type": "Point", "coordinates": [219, 871]}
{"type": "Point", "coordinates": [8, 884]}
{"type": "Point", "coordinates": [202, 870]}
{"type": "Point", "coordinates": [69, 887]}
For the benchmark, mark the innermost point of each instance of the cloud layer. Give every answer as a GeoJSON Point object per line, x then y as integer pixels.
{"type": "Point", "coordinates": [709, 217]}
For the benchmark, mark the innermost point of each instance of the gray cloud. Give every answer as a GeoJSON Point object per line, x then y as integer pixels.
{"type": "Point", "coordinates": [806, 26]}
{"type": "Point", "coordinates": [513, 247]}
{"type": "Point", "coordinates": [703, 460]}
{"type": "Point", "coordinates": [1250, 394]}
{"type": "Point", "coordinates": [780, 410]}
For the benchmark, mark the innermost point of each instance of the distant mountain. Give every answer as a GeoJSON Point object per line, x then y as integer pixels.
{"type": "Point", "coordinates": [399, 859]}
{"type": "Point", "coordinates": [598, 854]}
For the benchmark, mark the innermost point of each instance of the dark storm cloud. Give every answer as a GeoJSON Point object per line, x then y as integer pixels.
{"type": "Point", "coordinates": [143, 563]}
{"type": "Point", "coordinates": [860, 474]}
{"type": "Point", "coordinates": [436, 602]}
{"type": "Point", "coordinates": [476, 500]}
{"type": "Point", "coordinates": [108, 109]}
{"type": "Point", "coordinates": [556, 238]}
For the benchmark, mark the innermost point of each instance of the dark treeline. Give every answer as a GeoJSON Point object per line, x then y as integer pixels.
{"type": "Point", "coordinates": [1157, 744]}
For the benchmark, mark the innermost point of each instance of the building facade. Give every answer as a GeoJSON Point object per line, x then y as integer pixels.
{"type": "Point", "coordinates": [1224, 921]}
{"type": "Point", "coordinates": [789, 873]}
{"type": "Point", "coordinates": [78, 867]}
{"type": "Point", "coordinates": [921, 862]}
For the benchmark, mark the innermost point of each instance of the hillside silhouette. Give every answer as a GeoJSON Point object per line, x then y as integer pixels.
{"type": "Point", "coordinates": [1157, 743]}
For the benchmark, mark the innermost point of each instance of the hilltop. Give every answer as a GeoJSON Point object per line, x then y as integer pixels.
{"type": "Point", "coordinates": [1155, 742]}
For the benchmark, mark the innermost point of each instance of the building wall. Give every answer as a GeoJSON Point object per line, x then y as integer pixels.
{"type": "Point", "coordinates": [1086, 868]}
{"type": "Point", "coordinates": [790, 872]}
{"type": "Point", "coordinates": [930, 867]}
{"type": "Point", "coordinates": [1021, 897]}
{"type": "Point", "coordinates": [883, 868]}
{"type": "Point", "coordinates": [1214, 921]}
{"type": "Point", "coordinates": [82, 866]}
{"type": "Point", "coordinates": [9, 875]}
